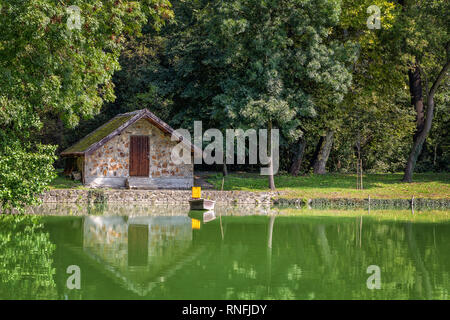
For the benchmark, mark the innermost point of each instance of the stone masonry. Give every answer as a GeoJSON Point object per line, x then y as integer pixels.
{"type": "Point", "coordinates": [109, 165]}
{"type": "Point", "coordinates": [152, 196]}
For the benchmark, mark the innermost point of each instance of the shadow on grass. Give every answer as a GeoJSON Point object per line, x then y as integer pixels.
{"type": "Point", "coordinates": [63, 182]}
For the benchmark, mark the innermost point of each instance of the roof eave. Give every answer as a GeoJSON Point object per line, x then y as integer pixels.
{"type": "Point", "coordinates": [116, 132]}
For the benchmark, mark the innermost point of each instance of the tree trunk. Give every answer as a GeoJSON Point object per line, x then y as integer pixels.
{"type": "Point", "coordinates": [415, 89]}
{"type": "Point", "coordinates": [298, 157]}
{"type": "Point", "coordinates": [60, 128]}
{"type": "Point", "coordinates": [224, 170]}
{"type": "Point", "coordinates": [358, 163]}
{"type": "Point", "coordinates": [435, 155]}
{"type": "Point", "coordinates": [271, 178]}
{"type": "Point", "coordinates": [423, 125]}
{"type": "Point", "coordinates": [316, 152]}
{"type": "Point", "coordinates": [323, 154]}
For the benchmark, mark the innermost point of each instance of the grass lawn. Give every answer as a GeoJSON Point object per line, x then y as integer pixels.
{"type": "Point", "coordinates": [382, 186]}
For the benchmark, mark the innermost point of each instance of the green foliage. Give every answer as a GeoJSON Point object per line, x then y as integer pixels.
{"type": "Point", "coordinates": [305, 66]}
{"type": "Point", "coordinates": [420, 39]}
{"type": "Point", "coordinates": [46, 66]}
{"type": "Point", "coordinates": [50, 70]}
{"type": "Point", "coordinates": [24, 173]}
{"type": "Point", "coordinates": [376, 114]}
{"type": "Point", "coordinates": [240, 63]}
{"type": "Point", "coordinates": [266, 61]}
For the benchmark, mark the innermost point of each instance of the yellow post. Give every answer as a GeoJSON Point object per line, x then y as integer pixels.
{"type": "Point", "coordinates": [196, 192]}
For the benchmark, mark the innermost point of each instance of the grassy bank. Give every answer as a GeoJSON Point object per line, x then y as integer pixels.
{"type": "Point", "coordinates": [328, 186]}
{"type": "Point", "coordinates": [381, 186]}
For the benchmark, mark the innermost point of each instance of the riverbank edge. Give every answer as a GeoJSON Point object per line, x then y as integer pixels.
{"type": "Point", "coordinates": [155, 197]}
{"type": "Point", "coordinates": [355, 203]}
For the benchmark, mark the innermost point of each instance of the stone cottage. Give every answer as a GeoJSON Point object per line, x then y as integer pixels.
{"type": "Point", "coordinates": [131, 150]}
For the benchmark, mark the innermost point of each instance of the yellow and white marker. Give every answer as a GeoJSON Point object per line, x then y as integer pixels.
{"type": "Point", "coordinates": [196, 192]}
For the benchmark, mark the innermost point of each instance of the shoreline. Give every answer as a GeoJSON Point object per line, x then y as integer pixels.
{"type": "Point", "coordinates": [179, 197]}
{"type": "Point", "coordinates": [138, 209]}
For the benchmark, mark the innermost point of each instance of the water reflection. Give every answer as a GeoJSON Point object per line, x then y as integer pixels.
{"type": "Point", "coordinates": [213, 256]}
{"type": "Point", "coordinates": [137, 250]}
{"type": "Point", "coordinates": [202, 216]}
{"type": "Point", "coordinates": [26, 270]}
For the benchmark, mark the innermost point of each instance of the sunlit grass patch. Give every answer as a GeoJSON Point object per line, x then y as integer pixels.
{"type": "Point", "coordinates": [383, 186]}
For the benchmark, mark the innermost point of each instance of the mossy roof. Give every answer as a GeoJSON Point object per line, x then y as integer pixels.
{"type": "Point", "coordinates": [115, 126]}
{"type": "Point", "coordinates": [97, 135]}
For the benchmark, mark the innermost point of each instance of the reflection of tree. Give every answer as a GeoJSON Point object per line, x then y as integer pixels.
{"type": "Point", "coordinates": [323, 258]}
{"type": "Point", "coordinates": [269, 251]}
{"type": "Point", "coordinates": [256, 258]}
{"type": "Point", "coordinates": [323, 245]}
{"type": "Point", "coordinates": [25, 259]}
{"type": "Point", "coordinates": [423, 277]}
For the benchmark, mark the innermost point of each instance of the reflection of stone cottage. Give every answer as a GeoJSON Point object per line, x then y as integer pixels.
{"type": "Point", "coordinates": [133, 149]}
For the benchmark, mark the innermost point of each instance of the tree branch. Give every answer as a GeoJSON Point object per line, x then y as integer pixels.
{"type": "Point", "coordinates": [438, 80]}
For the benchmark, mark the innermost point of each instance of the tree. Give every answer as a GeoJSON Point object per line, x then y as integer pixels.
{"type": "Point", "coordinates": [268, 62]}
{"type": "Point", "coordinates": [324, 152]}
{"type": "Point", "coordinates": [371, 89]}
{"type": "Point", "coordinates": [298, 156]}
{"type": "Point", "coordinates": [373, 121]}
{"type": "Point", "coordinates": [423, 120]}
{"type": "Point", "coordinates": [413, 42]}
{"type": "Point", "coordinates": [57, 60]}
{"type": "Point", "coordinates": [427, 51]}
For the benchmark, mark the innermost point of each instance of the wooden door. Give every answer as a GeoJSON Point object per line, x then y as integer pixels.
{"type": "Point", "coordinates": [139, 156]}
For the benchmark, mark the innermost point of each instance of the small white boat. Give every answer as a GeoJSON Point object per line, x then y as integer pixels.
{"type": "Point", "coordinates": [201, 204]}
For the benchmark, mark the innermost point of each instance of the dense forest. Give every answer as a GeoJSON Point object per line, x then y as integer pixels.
{"type": "Point", "coordinates": [341, 90]}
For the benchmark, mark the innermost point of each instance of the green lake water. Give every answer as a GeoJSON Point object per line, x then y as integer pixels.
{"type": "Point", "coordinates": [196, 256]}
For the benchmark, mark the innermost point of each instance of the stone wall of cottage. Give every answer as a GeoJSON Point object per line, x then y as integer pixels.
{"type": "Point", "coordinates": [112, 159]}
